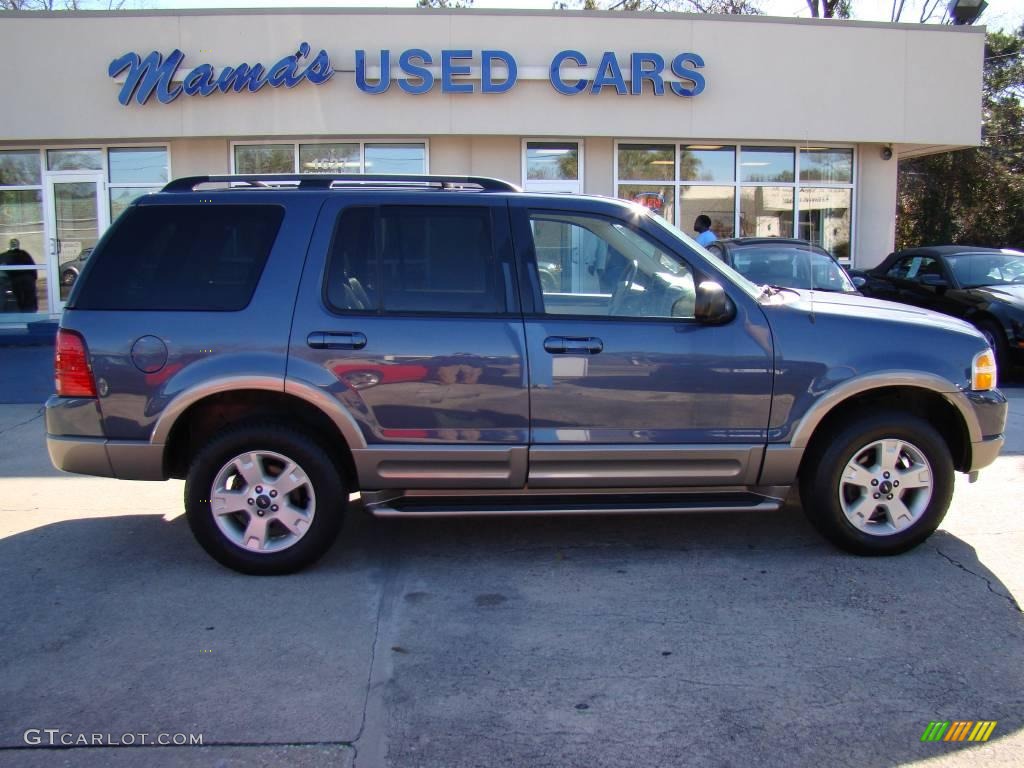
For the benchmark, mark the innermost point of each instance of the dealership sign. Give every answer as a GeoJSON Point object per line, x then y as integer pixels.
{"type": "Point", "coordinates": [414, 71]}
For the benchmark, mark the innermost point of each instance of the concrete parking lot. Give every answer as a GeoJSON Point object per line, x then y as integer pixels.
{"type": "Point", "coordinates": [728, 640]}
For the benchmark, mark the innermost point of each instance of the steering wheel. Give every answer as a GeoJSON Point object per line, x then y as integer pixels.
{"type": "Point", "coordinates": [623, 288]}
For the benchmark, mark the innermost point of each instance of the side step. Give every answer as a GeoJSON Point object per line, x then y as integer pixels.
{"type": "Point", "coordinates": [566, 504]}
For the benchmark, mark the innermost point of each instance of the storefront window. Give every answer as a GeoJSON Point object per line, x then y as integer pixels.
{"type": "Point", "coordinates": [395, 158]}
{"type": "Point", "coordinates": [747, 191]}
{"type": "Point", "coordinates": [138, 165]}
{"type": "Point", "coordinates": [761, 164]}
{"type": "Point", "coordinates": [718, 203]}
{"type": "Point", "coordinates": [122, 197]}
{"type": "Point", "coordinates": [833, 166]}
{"type": "Point", "coordinates": [646, 161]}
{"type": "Point", "coordinates": [329, 158]}
{"type": "Point", "coordinates": [658, 198]}
{"type": "Point", "coordinates": [19, 168]}
{"type": "Point", "coordinates": [264, 158]}
{"type": "Point", "coordinates": [766, 212]}
{"type": "Point", "coordinates": [22, 258]}
{"type": "Point", "coordinates": [552, 161]}
{"type": "Point", "coordinates": [825, 219]}
{"type": "Point", "coordinates": [707, 163]}
{"type": "Point", "coordinates": [74, 159]}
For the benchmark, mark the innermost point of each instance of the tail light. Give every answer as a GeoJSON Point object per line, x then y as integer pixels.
{"type": "Point", "coordinates": [71, 366]}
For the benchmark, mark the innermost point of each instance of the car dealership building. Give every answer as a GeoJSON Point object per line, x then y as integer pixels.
{"type": "Point", "coordinates": [770, 126]}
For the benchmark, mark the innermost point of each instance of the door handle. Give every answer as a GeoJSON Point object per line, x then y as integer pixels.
{"type": "Point", "coordinates": [331, 340]}
{"type": "Point", "coordinates": [573, 345]}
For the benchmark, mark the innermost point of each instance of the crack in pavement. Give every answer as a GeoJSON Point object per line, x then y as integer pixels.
{"type": "Point", "coordinates": [988, 582]}
{"type": "Point", "coordinates": [39, 413]}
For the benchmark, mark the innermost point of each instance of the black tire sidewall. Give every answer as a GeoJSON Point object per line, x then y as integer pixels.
{"type": "Point", "coordinates": [820, 490]}
{"type": "Point", "coordinates": [328, 487]}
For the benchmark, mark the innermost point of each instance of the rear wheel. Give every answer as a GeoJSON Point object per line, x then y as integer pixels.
{"type": "Point", "coordinates": [264, 499]}
{"type": "Point", "coordinates": [880, 486]}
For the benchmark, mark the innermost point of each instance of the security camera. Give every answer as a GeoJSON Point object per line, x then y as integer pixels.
{"type": "Point", "coordinates": [887, 153]}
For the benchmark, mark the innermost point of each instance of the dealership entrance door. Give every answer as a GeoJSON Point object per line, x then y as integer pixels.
{"type": "Point", "coordinates": [76, 217]}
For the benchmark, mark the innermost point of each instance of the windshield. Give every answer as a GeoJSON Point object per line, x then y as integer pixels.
{"type": "Point", "coordinates": [730, 274]}
{"type": "Point", "coordinates": [791, 266]}
{"type": "Point", "coordinates": [973, 270]}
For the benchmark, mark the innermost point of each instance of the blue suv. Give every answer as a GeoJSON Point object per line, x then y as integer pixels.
{"type": "Point", "coordinates": [285, 342]}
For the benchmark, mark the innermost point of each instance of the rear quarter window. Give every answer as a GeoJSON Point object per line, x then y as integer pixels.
{"type": "Point", "coordinates": [181, 257]}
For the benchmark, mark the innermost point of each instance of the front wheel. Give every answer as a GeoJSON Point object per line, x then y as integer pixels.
{"type": "Point", "coordinates": [264, 499]}
{"type": "Point", "coordinates": [881, 485]}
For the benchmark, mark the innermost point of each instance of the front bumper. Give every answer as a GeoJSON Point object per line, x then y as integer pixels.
{"type": "Point", "coordinates": [990, 408]}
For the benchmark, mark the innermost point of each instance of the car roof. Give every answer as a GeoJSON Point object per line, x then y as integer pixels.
{"type": "Point", "coordinates": [946, 250]}
{"type": "Point", "coordinates": [746, 241]}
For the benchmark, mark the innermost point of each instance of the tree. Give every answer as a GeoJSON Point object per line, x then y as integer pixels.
{"type": "Point", "coordinates": [60, 5]}
{"type": "Point", "coordinates": [444, 3]}
{"type": "Point", "coordinates": [689, 6]}
{"type": "Point", "coordinates": [829, 9]}
{"type": "Point", "coordinates": [976, 195]}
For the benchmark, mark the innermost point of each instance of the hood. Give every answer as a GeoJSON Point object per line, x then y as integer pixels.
{"type": "Point", "coordinates": [1006, 294]}
{"type": "Point", "coordinates": [852, 305]}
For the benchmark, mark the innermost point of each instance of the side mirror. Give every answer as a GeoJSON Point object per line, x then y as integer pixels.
{"type": "Point", "coordinates": [934, 281]}
{"type": "Point", "coordinates": [713, 305]}
{"type": "Point", "coordinates": [859, 282]}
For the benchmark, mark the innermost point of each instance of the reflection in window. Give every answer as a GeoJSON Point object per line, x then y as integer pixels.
{"type": "Point", "coordinates": [760, 164]}
{"type": "Point", "coordinates": [138, 165]}
{"type": "Point", "coordinates": [590, 266]}
{"type": "Point", "coordinates": [647, 161]}
{"type": "Point", "coordinates": [766, 212]}
{"type": "Point", "coordinates": [825, 218]}
{"type": "Point", "coordinates": [396, 158]}
{"type": "Point", "coordinates": [122, 197]}
{"type": "Point", "coordinates": [21, 219]}
{"type": "Point", "coordinates": [834, 166]}
{"type": "Point", "coordinates": [707, 163]}
{"type": "Point", "coordinates": [264, 158]}
{"type": "Point", "coordinates": [718, 203]}
{"type": "Point", "coordinates": [74, 159]}
{"type": "Point", "coordinates": [657, 198]}
{"type": "Point", "coordinates": [20, 168]}
{"type": "Point", "coordinates": [328, 158]}
{"type": "Point", "coordinates": [552, 161]}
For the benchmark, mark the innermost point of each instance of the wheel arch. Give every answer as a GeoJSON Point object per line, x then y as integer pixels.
{"type": "Point", "coordinates": [948, 412]}
{"type": "Point", "coordinates": [197, 415]}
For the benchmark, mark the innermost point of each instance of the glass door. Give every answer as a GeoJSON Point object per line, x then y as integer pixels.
{"type": "Point", "coordinates": [77, 217]}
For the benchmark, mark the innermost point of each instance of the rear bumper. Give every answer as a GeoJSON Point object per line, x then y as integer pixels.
{"type": "Point", "coordinates": [74, 439]}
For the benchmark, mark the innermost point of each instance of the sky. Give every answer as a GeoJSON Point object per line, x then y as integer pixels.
{"type": "Point", "coordinates": [1001, 14]}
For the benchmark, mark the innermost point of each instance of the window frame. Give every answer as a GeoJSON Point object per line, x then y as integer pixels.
{"type": "Point", "coordinates": [504, 260]}
{"type": "Point", "coordinates": [551, 185]}
{"type": "Point", "coordinates": [362, 142]}
{"type": "Point", "coordinates": [738, 185]}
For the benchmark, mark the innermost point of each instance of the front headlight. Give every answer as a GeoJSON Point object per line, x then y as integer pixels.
{"type": "Point", "coordinates": [983, 371]}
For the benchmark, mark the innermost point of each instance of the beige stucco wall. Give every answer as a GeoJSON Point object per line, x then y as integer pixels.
{"type": "Point", "coordinates": [775, 79]}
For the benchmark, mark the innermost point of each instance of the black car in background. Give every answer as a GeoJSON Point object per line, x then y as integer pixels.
{"type": "Point", "coordinates": [70, 270]}
{"type": "Point", "coordinates": [984, 286]}
{"type": "Point", "coordinates": [785, 262]}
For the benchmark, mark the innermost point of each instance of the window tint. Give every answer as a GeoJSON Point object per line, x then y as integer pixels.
{"type": "Point", "coordinates": [415, 259]}
{"type": "Point", "coordinates": [181, 257]}
{"type": "Point", "coordinates": [593, 266]}
{"type": "Point", "coordinates": [912, 267]}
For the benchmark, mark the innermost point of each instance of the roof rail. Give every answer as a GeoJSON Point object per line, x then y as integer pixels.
{"type": "Point", "coordinates": [329, 181]}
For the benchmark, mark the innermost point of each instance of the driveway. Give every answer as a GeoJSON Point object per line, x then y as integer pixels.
{"type": "Point", "coordinates": [727, 640]}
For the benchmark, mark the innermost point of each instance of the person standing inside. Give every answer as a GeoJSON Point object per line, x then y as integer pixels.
{"type": "Point", "coordinates": [702, 226]}
{"type": "Point", "coordinates": [23, 281]}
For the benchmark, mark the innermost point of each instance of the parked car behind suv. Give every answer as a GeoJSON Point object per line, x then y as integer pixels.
{"type": "Point", "coordinates": [786, 262]}
{"type": "Point", "coordinates": [984, 286]}
{"type": "Point", "coordinates": [282, 343]}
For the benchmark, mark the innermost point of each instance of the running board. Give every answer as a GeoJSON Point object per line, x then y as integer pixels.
{"type": "Point", "coordinates": [575, 504]}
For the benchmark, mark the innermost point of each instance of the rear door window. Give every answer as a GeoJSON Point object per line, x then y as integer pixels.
{"type": "Point", "coordinates": [416, 259]}
{"type": "Point", "coordinates": [181, 257]}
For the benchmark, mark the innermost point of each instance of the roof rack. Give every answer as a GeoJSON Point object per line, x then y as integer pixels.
{"type": "Point", "coordinates": [332, 181]}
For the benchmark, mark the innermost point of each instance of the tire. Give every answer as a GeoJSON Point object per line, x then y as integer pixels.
{"type": "Point", "coordinates": [838, 486]}
{"type": "Point", "coordinates": [996, 338]}
{"type": "Point", "coordinates": [68, 278]}
{"type": "Point", "coordinates": [257, 534]}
